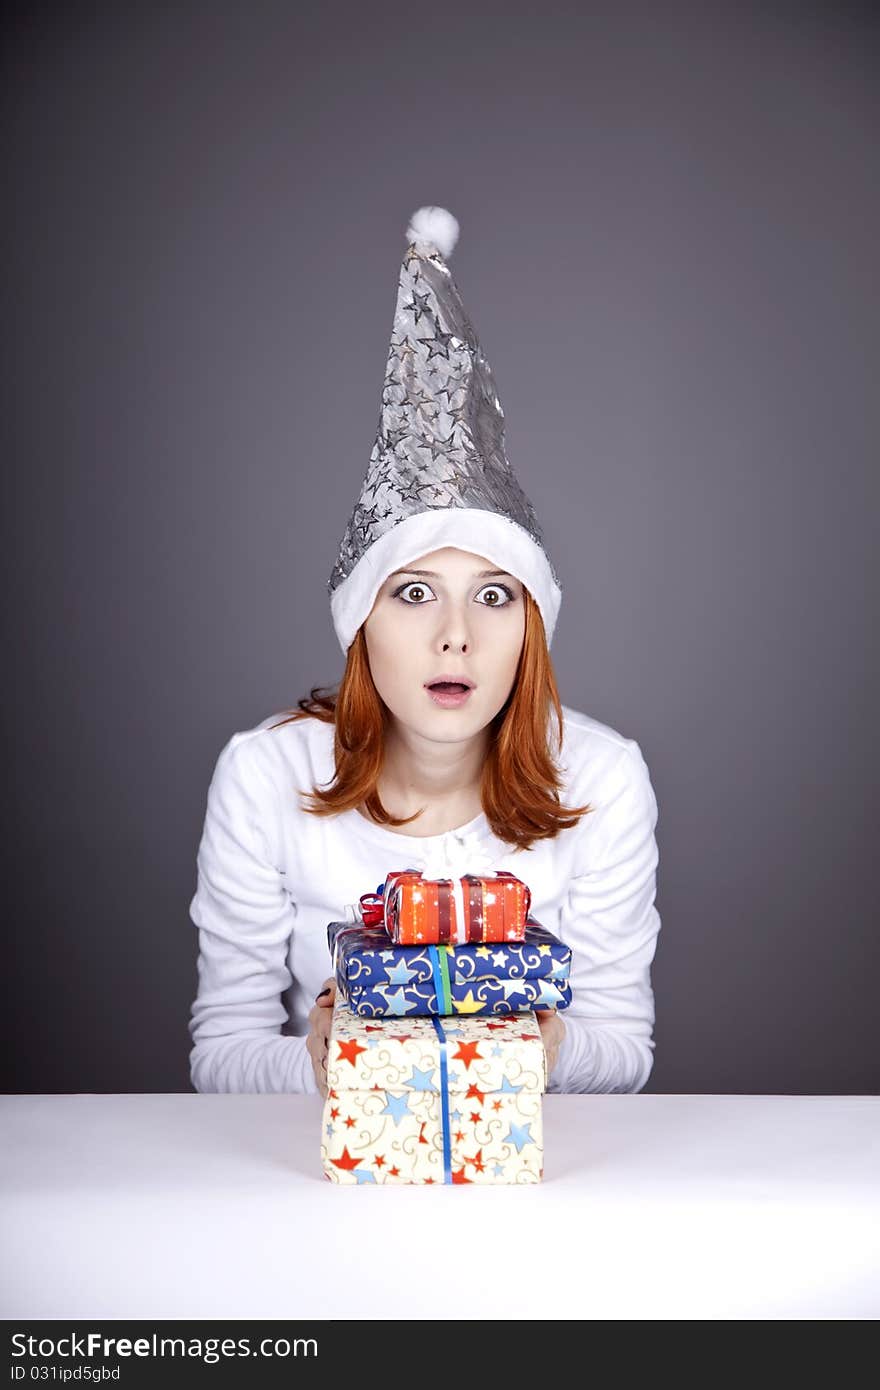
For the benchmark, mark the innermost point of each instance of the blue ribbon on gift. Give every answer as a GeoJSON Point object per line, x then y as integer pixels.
{"type": "Point", "coordinates": [444, 1100]}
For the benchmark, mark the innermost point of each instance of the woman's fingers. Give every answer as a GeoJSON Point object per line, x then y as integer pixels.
{"type": "Point", "coordinates": [320, 1022]}
{"type": "Point", "coordinates": [316, 1047]}
{"type": "Point", "coordinates": [552, 1033]}
{"type": "Point", "coordinates": [323, 1005]}
{"type": "Point", "coordinates": [327, 995]}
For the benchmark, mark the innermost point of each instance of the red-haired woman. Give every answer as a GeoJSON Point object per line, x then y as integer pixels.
{"type": "Point", "coordinates": [445, 747]}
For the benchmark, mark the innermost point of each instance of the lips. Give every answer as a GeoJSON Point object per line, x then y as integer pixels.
{"type": "Point", "coordinates": [450, 691]}
{"type": "Point", "coordinates": [450, 684]}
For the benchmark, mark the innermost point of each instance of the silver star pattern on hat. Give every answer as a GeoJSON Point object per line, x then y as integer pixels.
{"type": "Point", "coordinates": [440, 442]}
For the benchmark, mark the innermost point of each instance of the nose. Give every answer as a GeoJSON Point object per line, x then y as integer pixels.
{"type": "Point", "coordinates": [454, 633]}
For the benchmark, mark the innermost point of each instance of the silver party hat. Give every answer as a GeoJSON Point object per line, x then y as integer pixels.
{"type": "Point", "coordinates": [440, 442]}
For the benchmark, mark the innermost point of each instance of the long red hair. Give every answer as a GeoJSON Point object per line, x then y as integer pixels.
{"type": "Point", "coordinates": [520, 781]}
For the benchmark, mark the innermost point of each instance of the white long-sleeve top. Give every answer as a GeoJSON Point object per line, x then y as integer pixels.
{"type": "Point", "coordinates": [271, 876]}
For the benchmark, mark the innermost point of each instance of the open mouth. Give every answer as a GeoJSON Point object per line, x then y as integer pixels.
{"type": "Point", "coordinates": [449, 694]}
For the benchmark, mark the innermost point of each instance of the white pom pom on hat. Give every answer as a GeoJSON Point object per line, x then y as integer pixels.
{"type": "Point", "coordinates": [434, 227]}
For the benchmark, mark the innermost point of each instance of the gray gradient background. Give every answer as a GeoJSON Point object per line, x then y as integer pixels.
{"type": "Point", "coordinates": [669, 248]}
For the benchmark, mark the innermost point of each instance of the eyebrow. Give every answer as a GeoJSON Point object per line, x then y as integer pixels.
{"type": "Point", "coordinates": [429, 574]}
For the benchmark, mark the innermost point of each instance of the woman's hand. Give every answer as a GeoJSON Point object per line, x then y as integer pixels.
{"type": "Point", "coordinates": [552, 1033]}
{"type": "Point", "coordinates": [320, 1018]}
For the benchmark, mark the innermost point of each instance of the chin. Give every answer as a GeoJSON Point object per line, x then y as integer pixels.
{"type": "Point", "coordinates": [442, 725]}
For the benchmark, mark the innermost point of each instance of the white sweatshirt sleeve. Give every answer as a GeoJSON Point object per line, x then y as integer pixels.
{"type": "Point", "coordinates": [611, 923]}
{"type": "Point", "coordinates": [245, 919]}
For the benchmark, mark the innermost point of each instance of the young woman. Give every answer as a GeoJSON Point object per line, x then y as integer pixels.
{"type": "Point", "coordinates": [442, 580]}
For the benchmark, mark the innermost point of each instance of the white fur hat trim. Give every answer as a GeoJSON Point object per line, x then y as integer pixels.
{"type": "Point", "coordinates": [502, 541]}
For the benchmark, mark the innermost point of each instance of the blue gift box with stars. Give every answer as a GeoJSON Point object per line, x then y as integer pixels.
{"type": "Point", "coordinates": [380, 979]}
{"type": "Point", "coordinates": [430, 1100]}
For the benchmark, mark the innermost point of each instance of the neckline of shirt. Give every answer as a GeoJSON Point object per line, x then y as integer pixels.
{"type": "Point", "coordinates": [478, 827]}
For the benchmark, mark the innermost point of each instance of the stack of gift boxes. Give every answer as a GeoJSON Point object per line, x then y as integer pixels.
{"type": "Point", "coordinates": [436, 1065]}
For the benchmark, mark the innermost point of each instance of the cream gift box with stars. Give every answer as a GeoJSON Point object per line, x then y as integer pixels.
{"type": "Point", "coordinates": [433, 1100]}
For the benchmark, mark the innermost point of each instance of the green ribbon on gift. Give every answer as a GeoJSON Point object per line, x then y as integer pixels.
{"type": "Point", "coordinates": [440, 966]}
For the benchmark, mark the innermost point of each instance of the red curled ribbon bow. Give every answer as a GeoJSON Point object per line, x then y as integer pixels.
{"type": "Point", "coordinates": [372, 907]}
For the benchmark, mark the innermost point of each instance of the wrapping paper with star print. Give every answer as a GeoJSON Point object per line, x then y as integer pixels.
{"type": "Point", "coordinates": [475, 907]}
{"type": "Point", "coordinates": [380, 979]}
{"type": "Point", "coordinates": [424, 1100]}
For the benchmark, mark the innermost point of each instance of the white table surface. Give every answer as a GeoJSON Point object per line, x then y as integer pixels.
{"type": "Point", "coordinates": [652, 1206]}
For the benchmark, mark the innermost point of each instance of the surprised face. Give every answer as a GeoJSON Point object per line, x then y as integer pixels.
{"type": "Point", "coordinates": [453, 614]}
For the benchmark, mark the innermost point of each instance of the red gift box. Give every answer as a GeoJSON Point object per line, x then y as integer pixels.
{"type": "Point", "coordinates": [450, 911]}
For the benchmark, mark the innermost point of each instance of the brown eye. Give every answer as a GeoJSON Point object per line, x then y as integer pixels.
{"type": "Point", "coordinates": [494, 591]}
{"type": "Point", "coordinates": [411, 587]}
